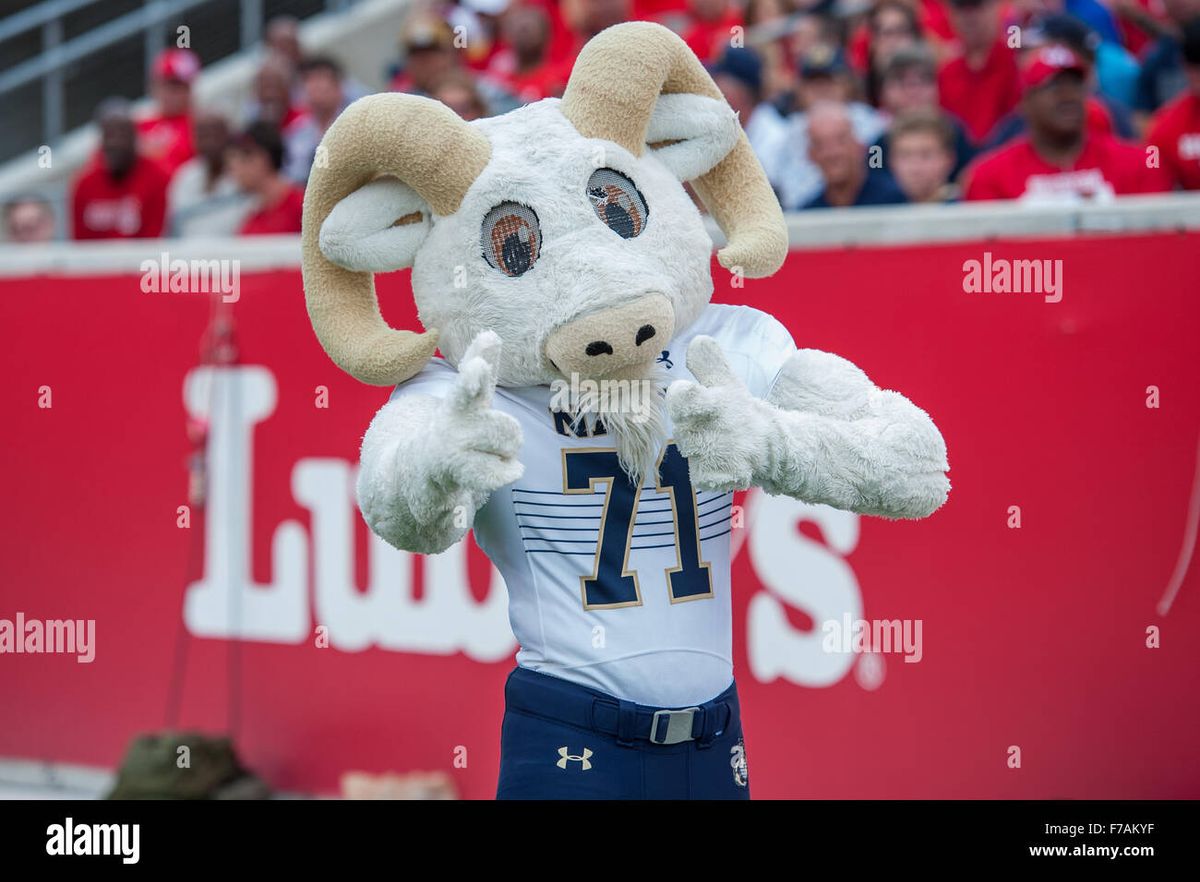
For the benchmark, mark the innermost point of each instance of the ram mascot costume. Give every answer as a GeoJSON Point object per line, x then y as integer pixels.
{"type": "Point", "coordinates": [561, 266]}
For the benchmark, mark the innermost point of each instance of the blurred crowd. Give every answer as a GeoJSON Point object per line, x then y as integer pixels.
{"type": "Point", "coordinates": [845, 102]}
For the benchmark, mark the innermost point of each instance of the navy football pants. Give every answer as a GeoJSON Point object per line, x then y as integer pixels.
{"type": "Point", "coordinates": [561, 740]}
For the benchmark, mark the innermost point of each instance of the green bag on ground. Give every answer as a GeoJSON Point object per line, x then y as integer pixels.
{"type": "Point", "coordinates": [184, 765]}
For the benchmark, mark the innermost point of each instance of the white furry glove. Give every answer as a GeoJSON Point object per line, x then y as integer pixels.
{"type": "Point", "coordinates": [719, 426]}
{"type": "Point", "coordinates": [429, 464]}
{"type": "Point", "coordinates": [827, 435]}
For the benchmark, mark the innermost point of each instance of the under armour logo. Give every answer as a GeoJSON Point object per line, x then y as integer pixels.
{"type": "Point", "coordinates": [565, 757]}
{"type": "Point", "coordinates": [665, 358]}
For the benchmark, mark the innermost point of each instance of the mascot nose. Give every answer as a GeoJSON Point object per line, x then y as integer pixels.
{"type": "Point", "coordinates": [608, 342]}
{"type": "Point", "coordinates": [603, 347]}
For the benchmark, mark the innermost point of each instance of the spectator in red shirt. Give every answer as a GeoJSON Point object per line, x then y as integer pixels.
{"type": "Point", "coordinates": [709, 31]}
{"type": "Point", "coordinates": [522, 67]}
{"type": "Point", "coordinates": [1137, 20]}
{"type": "Point", "coordinates": [1104, 116]}
{"type": "Point", "coordinates": [573, 23]}
{"type": "Point", "coordinates": [256, 163]}
{"type": "Point", "coordinates": [120, 194]}
{"type": "Point", "coordinates": [1175, 129]}
{"type": "Point", "coordinates": [586, 18]}
{"type": "Point", "coordinates": [1059, 160]}
{"type": "Point", "coordinates": [657, 10]}
{"type": "Point", "coordinates": [166, 134]}
{"type": "Point", "coordinates": [982, 84]}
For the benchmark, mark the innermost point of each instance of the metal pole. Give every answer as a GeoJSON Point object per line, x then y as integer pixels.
{"type": "Point", "coordinates": [252, 22]}
{"type": "Point", "coordinates": [52, 86]}
{"type": "Point", "coordinates": [154, 39]}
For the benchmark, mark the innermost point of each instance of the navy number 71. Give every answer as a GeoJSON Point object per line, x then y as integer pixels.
{"type": "Point", "coordinates": [612, 583]}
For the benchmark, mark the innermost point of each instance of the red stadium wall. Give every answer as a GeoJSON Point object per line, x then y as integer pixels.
{"type": "Point", "coordinates": [1032, 637]}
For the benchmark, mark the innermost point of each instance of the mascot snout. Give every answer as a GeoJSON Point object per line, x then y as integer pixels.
{"type": "Point", "coordinates": [620, 342]}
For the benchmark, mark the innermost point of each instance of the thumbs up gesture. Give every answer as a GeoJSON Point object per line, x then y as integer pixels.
{"type": "Point", "coordinates": [476, 447]}
{"type": "Point", "coordinates": [826, 434]}
{"type": "Point", "coordinates": [429, 463]}
{"type": "Point", "coordinates": [719, 425]}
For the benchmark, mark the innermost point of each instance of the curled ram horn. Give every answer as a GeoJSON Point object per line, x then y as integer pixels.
{"type": "Point", "coordinates": [611, 94]}
{"type": "Point", "coordinates": [429, 148]}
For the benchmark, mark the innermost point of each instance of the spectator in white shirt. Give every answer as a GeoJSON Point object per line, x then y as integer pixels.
{"type": "Point", "coordinates": [324, 99]}
{"type": "Point", "coordinates": [824, 77]}
{"type": "Point", "coordinates": [203, 199]}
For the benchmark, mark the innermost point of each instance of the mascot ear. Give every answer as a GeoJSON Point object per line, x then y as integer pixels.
{"type": "Point", "coordinates": [377, 228]}
{"type": "Point", "coordinates": [699, 132]}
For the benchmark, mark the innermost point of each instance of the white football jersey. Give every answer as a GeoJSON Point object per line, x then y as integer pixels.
{"type": "Point", "coordinates": [619, 588]}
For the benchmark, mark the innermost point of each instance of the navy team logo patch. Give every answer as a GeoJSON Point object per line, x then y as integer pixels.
{"type": "Point", "coordinates": [737, 761]}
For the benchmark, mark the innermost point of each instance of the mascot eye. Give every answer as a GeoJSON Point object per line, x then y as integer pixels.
{"type": "Point", "coordinates": [511, 238]}
{"type": "Point", "coordinates": [617, 202]}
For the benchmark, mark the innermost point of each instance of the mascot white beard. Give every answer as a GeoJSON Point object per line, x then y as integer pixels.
{"type": "Point", "coordinates": [632, 411]}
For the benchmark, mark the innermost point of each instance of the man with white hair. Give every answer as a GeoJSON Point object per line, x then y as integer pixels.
{"type": "Point", "coordinates": [835, 149]}
{"type": "Point", "coordinates": [824, 77]}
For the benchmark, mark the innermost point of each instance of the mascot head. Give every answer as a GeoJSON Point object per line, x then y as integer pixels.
{"type": "Point", "coordinates": [563, 226]}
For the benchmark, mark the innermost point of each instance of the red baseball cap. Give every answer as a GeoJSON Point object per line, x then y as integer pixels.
{"type": "Point", "coordinates": [1048, 62]}
{"type": "Point", "coordinates": [181, 65]}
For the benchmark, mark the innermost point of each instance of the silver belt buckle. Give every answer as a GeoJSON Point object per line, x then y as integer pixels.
{"type": "Point", "coordinates": [679, 725]}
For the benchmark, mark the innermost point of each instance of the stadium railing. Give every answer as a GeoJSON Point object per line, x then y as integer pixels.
{"type": "Point", "coordinates": [827, 228]}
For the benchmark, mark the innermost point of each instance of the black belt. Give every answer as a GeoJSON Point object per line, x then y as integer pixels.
{"type": "Point", "coordinates": [566, 702]}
